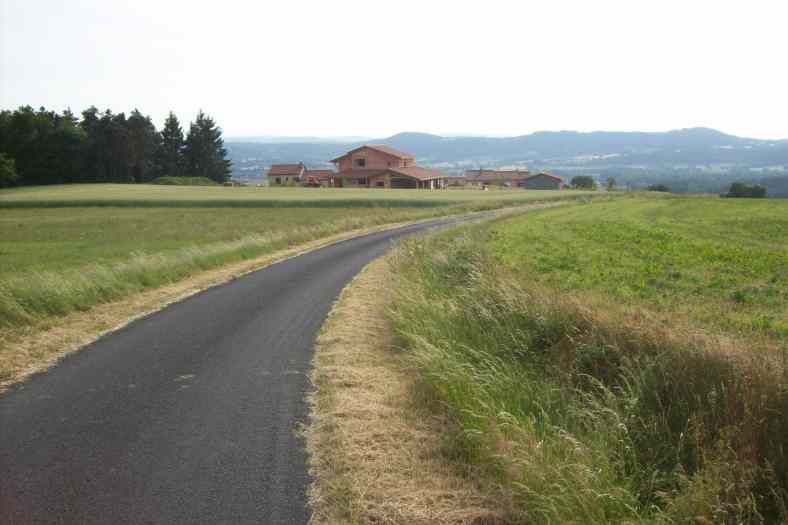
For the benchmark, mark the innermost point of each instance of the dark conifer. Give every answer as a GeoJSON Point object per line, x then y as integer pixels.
{"type": "Point", "coordinates": [204, 152]}
{"type": "Point", "coordinates": [169, 159]}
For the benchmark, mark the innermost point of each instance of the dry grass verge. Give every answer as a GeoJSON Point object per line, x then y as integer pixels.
{"type": "Point", "coordinates": [375, 456]}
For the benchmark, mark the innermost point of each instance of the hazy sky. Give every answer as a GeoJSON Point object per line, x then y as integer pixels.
{"type": "Point", "coordinates": [297, 67]}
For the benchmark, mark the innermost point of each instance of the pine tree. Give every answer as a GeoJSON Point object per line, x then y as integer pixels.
{"type": "Point", "coordinates": [204, 152]}
{"type": "Point", "coordinates": [169, 159]}
{"type": "Point", "coordinates": [143, 144]}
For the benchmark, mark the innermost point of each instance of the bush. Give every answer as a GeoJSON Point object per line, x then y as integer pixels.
{"type": "Point", "coordinates": [8, 176]}
{"type": "Point", "coordinates": [658, 187]}
{"type": "Point", "coordinates": [185, 181]}
{"type": "Point", "coordinates": [741, 190]}
{"type": "Point", "coordinates": [583, 182]}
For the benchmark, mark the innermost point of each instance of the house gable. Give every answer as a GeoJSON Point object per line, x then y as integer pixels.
{"type": "Point", "coordinates": [374, 156]}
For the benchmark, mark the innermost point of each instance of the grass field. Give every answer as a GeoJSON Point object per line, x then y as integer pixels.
{"type": "Point", "coordinates": [68, 248]}
{"type": "Point", "coordinates": [721, 262]}
{"type": "Point", "coordinates": [616, 362]}
{"type": "Point", "coordinates": [138, 195]}
{"type": "Point", "coordinates": [54, 239]}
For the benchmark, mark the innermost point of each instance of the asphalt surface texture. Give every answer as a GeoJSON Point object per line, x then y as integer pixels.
{"type": "Point", "coordinates": [189, 415]}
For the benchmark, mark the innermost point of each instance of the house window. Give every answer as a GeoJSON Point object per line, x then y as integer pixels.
{"type": "Point", "coordinates": [360, 163]}
{"type": "Point", "coordinates": [362, 181]}
{"type": "Point", "coordinates": [380, 184]}
{"type": "Point", "coordinates": [278, 180]}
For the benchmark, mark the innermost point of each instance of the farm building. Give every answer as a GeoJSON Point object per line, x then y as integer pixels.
{"type": "Point", "coordinates": [324, 178]}
{"type": "Point", "coordinates": [378, 166]}
{"type": "Point", "coordinates": [513, 178]}
{"type": "Point", "coordinates": [542, 181]}
{"type": "Point", "coordinates": [482, 177]}
{"type": "Point", "coordinates": [286, 174]}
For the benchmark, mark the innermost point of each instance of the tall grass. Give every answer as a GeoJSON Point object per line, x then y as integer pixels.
{"type": "Point", "coordinates": [45, 274]}
{"type": "Point", "coordinates": [32, 296]}
{"type": "Point", "coordinates": [588, 415]}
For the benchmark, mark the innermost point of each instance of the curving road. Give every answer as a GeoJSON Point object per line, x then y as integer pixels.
{"type": "Point", "coordinates": [187, 415]}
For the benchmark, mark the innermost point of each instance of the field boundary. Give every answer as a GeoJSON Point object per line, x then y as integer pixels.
{"type": "Point", "coordinates": [36, 348]}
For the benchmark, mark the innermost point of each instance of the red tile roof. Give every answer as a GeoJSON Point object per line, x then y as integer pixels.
{"type": "Point", "coordinates": [284, 170]}
{"type": "Point", "coordinates": [320, 174]}
{"type": "Point", "coordinates": [419, 173]}
{"type": "Point", "coordinates": [413, 172]}
{"type": "Point", "coordinates": [544, 174]}
{"type": "Point", "coordinates": [381, 148]}
{"type": "Point", "coordinates": [483, 175]}
{"type": "Point", "coordinates": [361, 172]}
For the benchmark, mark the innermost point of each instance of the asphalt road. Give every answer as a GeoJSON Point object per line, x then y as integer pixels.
{"type": "Point", "coordinates": [185, 416]}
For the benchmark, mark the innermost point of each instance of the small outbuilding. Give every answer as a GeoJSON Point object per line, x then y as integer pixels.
{"type": "Point", "coordinates": [323, 178]}
{"type": "Point", "coordinates": [513, 179]}
{"type": "Point", "coordinates": [542, 181]}
{"type": "Point", "coordinates": [507, 178]}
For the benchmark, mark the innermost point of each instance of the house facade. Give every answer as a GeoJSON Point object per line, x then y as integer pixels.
{"type": "Point", "coordinates": [379, 166]}
{"type": "Point", "coordinates": [286, 174]}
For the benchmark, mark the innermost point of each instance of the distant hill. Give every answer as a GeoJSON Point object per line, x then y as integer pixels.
{"type": "Point", "coordinates": [685, 145]}
{"type": "Point", "coordinates": [702, 158]}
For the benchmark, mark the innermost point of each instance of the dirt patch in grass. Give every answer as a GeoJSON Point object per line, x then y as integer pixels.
{"type": "Point", "coordinates": [375, 456]}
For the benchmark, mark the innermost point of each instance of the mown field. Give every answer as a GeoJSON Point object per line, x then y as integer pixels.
{"type": "Point", "coordinates": [69, 248]}
{"type": "Point", "coordinates": [76, 195]}
{"type": "Point", "coordinates": [615, 362]}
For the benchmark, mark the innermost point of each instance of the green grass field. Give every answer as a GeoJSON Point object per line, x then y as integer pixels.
{"type": "Point", "coordinates": [157, 196]}
{"type": "Point", "coordinates": [56, 239]}
{"type": "Point", "coordinates": [67, 248]}
{"type": "Point", "coordinates": [615, 362]}
{"type": "Point", "coordinates": [721, 262]}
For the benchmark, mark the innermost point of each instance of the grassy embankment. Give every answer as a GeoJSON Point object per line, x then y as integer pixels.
{"type": "Point", "coordinates": [614, 362]}
{"type": "Point", "coordinates": [69, 248]}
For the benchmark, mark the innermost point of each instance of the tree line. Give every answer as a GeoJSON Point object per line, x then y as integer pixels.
{"type": "Point", "coordinates": [46, 147]}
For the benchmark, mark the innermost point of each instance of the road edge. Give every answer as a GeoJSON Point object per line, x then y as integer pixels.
{"type": "Point", "coordinates": [374, 454]}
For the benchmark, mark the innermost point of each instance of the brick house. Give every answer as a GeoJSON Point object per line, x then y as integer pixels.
{"type": "Point", "coordinates": [378, 166]}
{"type": "Point", "coordinates": [286, 174]}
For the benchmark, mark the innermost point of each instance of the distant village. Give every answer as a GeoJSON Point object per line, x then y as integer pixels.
{"type": "Point", "coordinates": [379, 166]}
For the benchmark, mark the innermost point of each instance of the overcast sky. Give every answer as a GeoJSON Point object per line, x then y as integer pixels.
{"type": "Point", "coordinates": [375, 68]}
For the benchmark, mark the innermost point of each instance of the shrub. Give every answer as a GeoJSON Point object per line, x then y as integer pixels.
{"type": "Point", "coordinates": [583, 182]}
{"type": "Point", "coordinates": [741, 190]}
{"type": "Point", "coordinates": [185, 181]}
{"type": "Point", "coordinates": [8, 176]}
